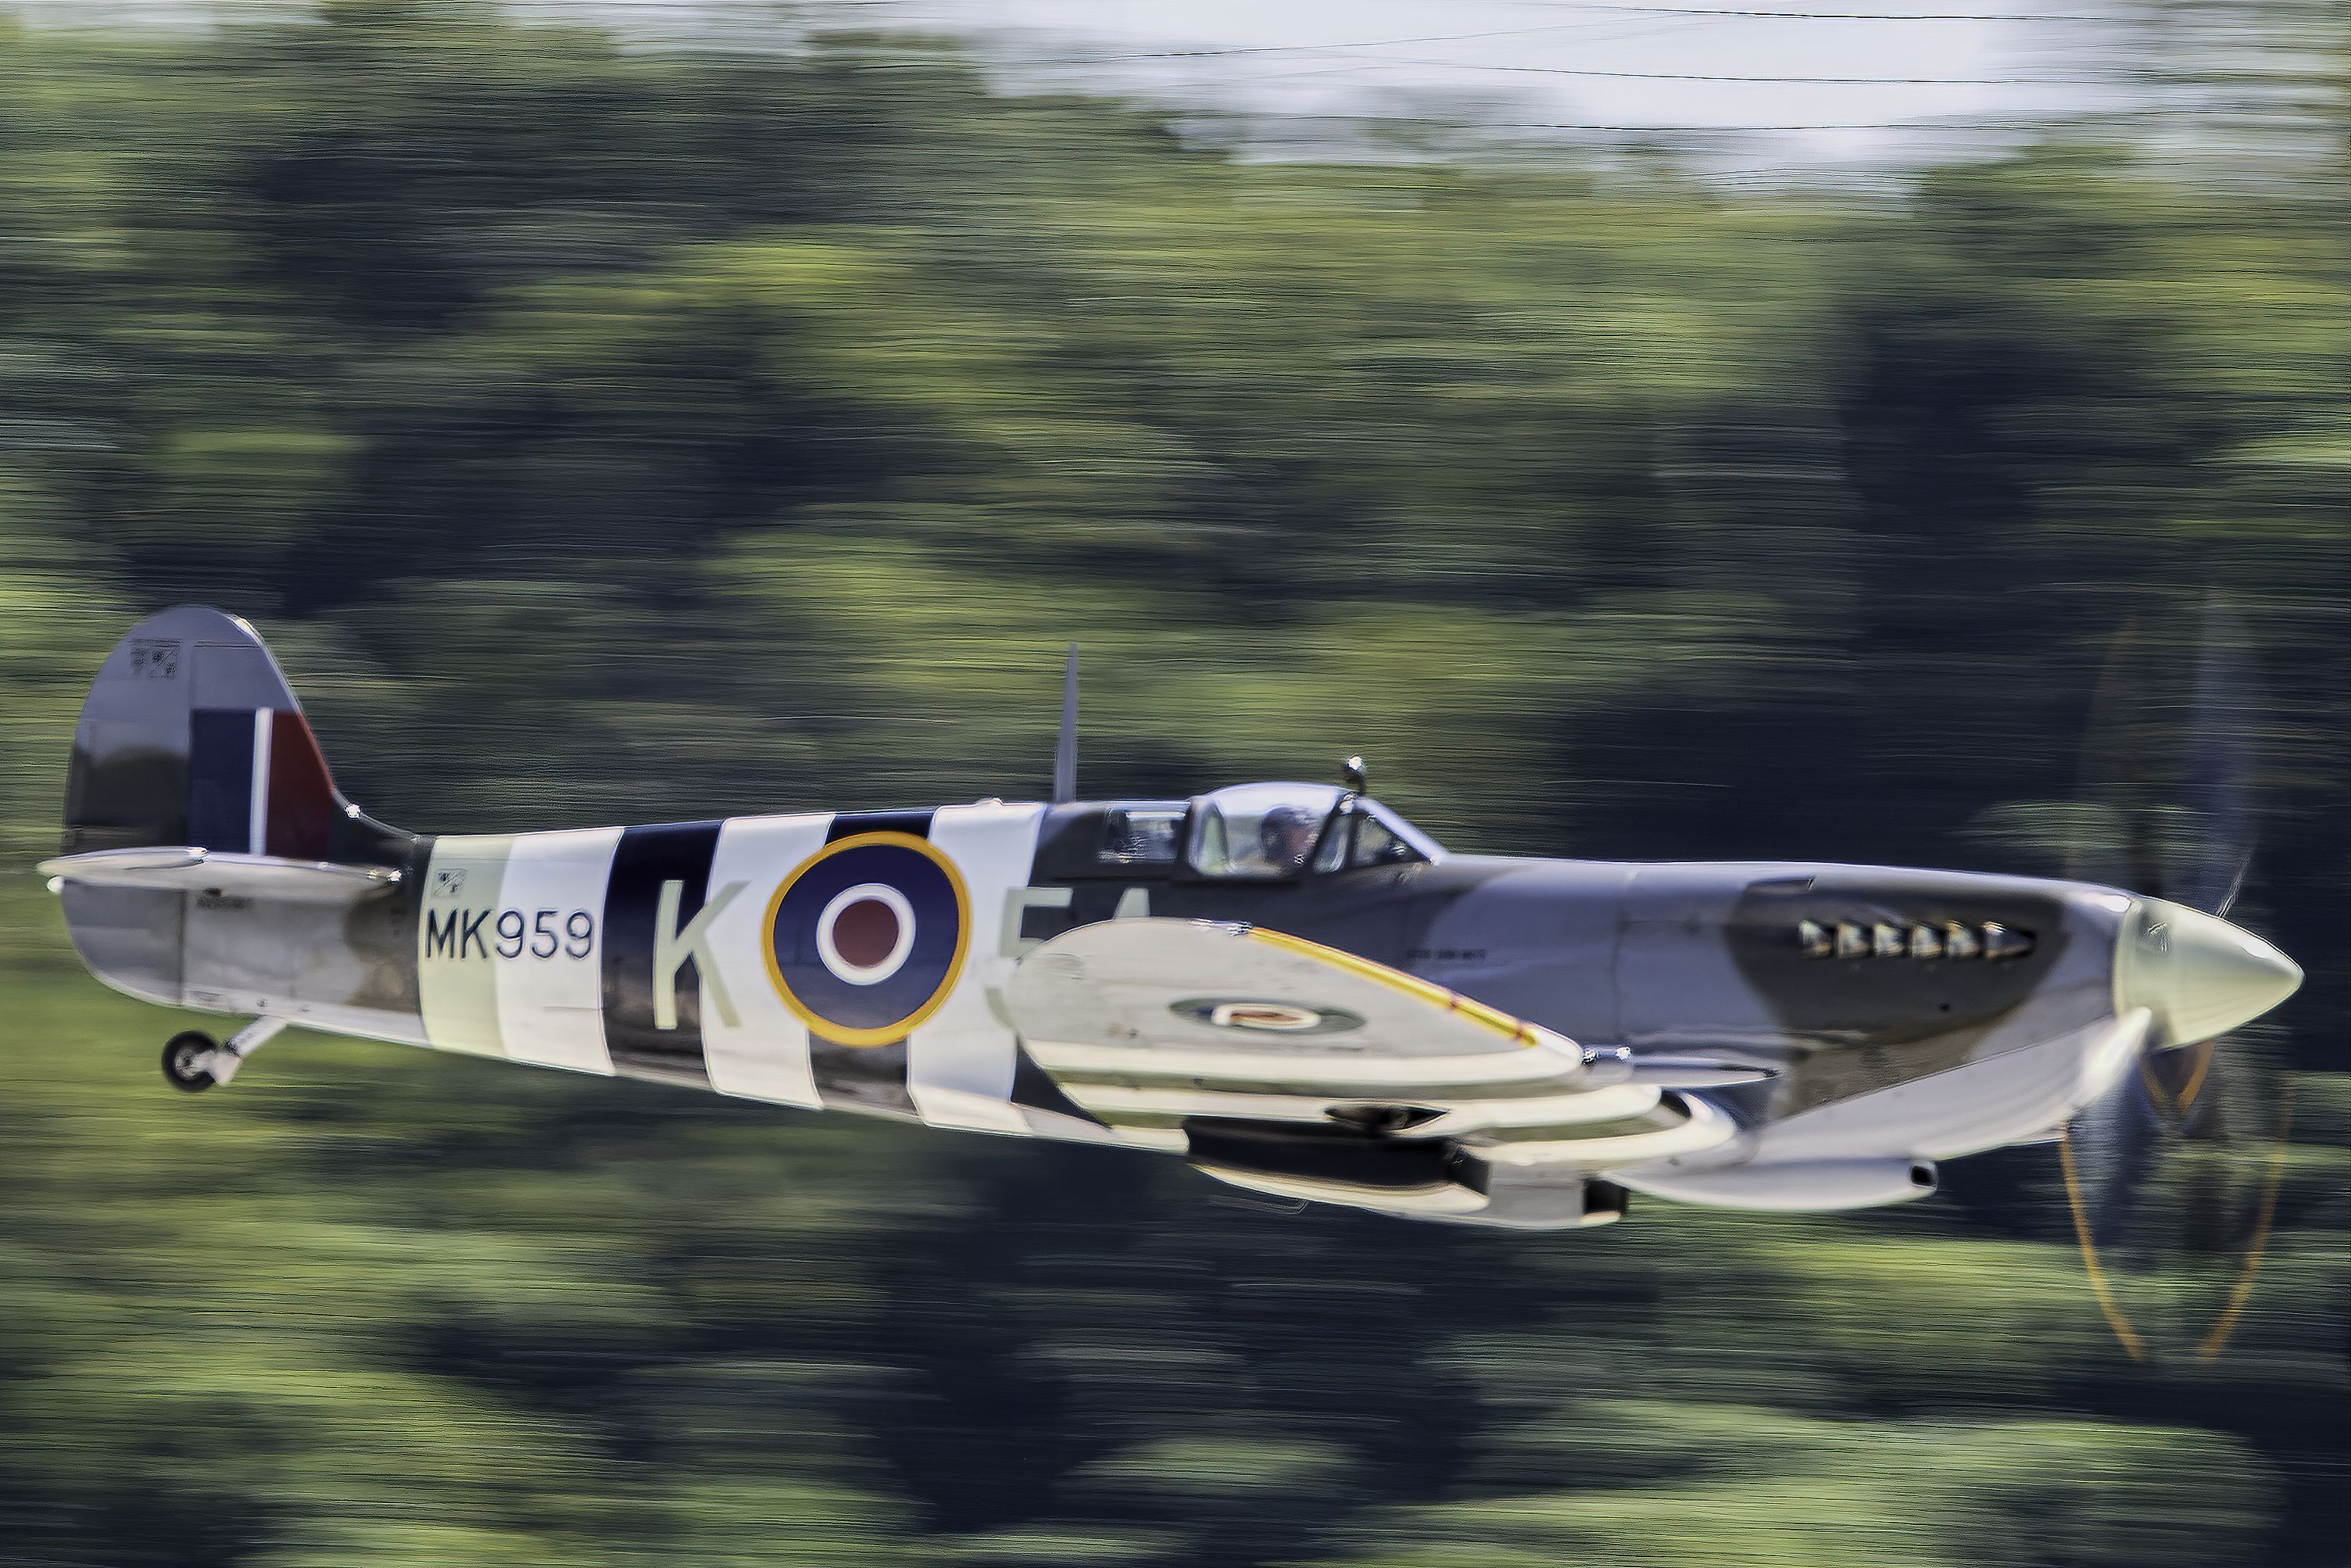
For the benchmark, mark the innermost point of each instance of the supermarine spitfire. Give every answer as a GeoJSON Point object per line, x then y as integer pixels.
{"type": "Point", "coordinates": [1286, 984]}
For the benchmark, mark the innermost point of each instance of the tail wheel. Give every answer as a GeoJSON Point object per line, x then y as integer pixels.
{"type": "Point", "coordinates": [187, 1059]}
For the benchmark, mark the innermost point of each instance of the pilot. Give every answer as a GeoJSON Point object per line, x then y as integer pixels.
{"type": "Point", "coordinates": [1286, 837]}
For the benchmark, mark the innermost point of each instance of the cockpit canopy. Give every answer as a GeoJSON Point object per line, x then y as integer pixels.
{"type": "Point", "coordinates": [1246, 833]}
{"type": "Point", "coordinates": [1262, 831]}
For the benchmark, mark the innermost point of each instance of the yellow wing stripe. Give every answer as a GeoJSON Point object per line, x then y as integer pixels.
{"type": "Point", "coordinates": [1421, 990]}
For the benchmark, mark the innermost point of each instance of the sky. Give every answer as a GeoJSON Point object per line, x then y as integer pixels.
{"type": "Point", "coordinates": [1804, 82]}
{"type": "Point", "coordinates": [1568, 62]}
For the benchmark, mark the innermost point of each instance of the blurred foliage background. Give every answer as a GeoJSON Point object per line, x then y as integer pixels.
{"type": "Point", "coordinates": [602, 432]}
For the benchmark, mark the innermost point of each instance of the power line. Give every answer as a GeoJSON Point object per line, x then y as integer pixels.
{"type": "Point", "coordinates": [1708, 76]}
{"type": "Point", "coordinates": [1618, 35]}
{"type": "Point", "coordinates": [1686, 129]}
{"type": "Point", "coordinates": [1385, 62]}
{"type": "Point", "coordinates": [1357, 44]}
{"type": "Point", "coordinates": [1621, 6]}
{"type": "Point", "coordinates": [1849, 16]}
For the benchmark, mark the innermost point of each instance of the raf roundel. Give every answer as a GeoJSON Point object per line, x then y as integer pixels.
{"type": "Point", "coordinates": [866, 937]}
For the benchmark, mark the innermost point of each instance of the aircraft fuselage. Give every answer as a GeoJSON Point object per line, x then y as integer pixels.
{"type": "Point", "coordinates": [1774, 1035]}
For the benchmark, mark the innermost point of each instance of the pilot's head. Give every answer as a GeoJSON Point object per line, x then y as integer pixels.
{"type": "Point", "coordinates": [1286, 835]}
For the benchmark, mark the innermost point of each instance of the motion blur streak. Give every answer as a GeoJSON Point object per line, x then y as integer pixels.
{"type": "Point", "coordinates": [519, 380]}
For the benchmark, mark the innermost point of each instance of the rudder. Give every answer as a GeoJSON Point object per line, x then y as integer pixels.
{"type": "Point", "coordinates": [190, 735]}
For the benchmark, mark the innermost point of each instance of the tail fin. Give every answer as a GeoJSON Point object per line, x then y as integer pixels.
{"type": "Point", "coordinates": [191, 738]}
{"type": "Point", "coordinates": [209, 861]}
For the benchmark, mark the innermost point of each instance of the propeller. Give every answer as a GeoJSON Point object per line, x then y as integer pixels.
{"type": "Point", "coordinates": [2172, 1176]}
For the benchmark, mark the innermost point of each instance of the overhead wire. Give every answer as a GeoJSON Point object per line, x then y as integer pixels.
{"type": "Point", "coordinates": [1847, 15]}
{"type": "Point", "coordinates": [1699, 14]}
{"type": "Point", "coordinates": [1923, 124]}
{"type": "Point", "coordinates": [1711, 75]}
{"type": "Point", "coordinates": [1228, 51]}
{"type": "Point", "coordinates": [1617, 34]}
{"type": "Point", "coordinates": [1675, 18]}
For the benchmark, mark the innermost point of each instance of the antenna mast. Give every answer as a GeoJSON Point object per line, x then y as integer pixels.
{"type": "Point", "coordinates": [1065, 749]}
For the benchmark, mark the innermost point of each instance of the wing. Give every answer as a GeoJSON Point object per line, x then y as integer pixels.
{"type": "Point", "coordinates": [1284, 1065]}
{"type": "Point", "coordinates": [1145, 1022]}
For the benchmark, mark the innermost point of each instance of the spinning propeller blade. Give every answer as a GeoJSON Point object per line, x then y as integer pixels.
{"type": "Point", "coordinates": [2174, 1170]}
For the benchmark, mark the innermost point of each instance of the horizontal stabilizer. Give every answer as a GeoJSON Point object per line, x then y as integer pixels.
{"type": "Point", "coordinates": [190, 869]}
